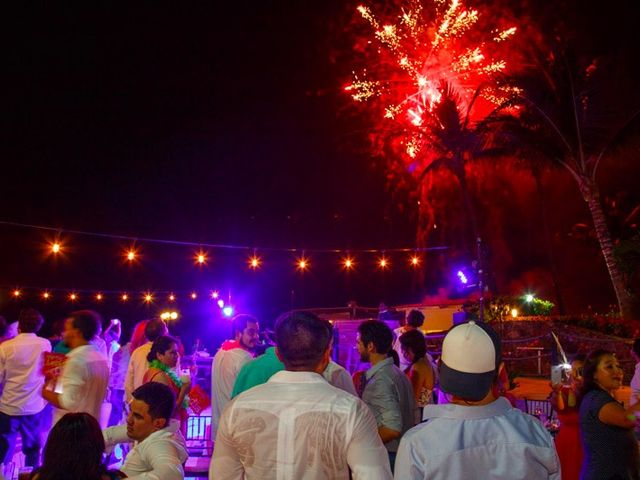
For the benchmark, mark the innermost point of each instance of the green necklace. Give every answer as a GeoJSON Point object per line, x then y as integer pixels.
{"type": "Point", "coordinates": [172, 375]}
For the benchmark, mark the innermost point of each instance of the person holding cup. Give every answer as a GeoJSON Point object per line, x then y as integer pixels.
{"type": "Point", "coordinates": [163, 358]}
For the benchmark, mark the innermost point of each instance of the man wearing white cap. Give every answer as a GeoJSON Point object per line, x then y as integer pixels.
{"type": "Point", "coordinates": [476, 435]}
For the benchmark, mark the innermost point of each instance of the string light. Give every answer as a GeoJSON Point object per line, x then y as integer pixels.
{"type": "Point", "coordinates": [201, 257]}
{"type": "Point", "coordinates": [172, 297]}
{"type": "Point", "coordinates": [254, 262]}
{"type": "Point", "coordinates": [415, 261]}
{"type": "Point", "coordinates": [124, 297]}
{"type": "Point", "coordinates": [46, 295]}
{"type": "Point", "coordinates": [98, 296]}
{"type": "Point", "coordinates": [55, 247]}
{"type": "Point", "coordinates": [194, 295]}
{"type": "Point", "coordinates": [348, 263]}
{"type": "Point", "coordinates": [383, 263]}
{"type": "Point", "coordinates": [16, 293]}
{"type": "Point", "coordinates": [215, 294]}
{"type": "Point", "coordinates": [73, 297]}
{"type": "Point", "coordinates": [302, 264]}
{"type": "Point", "coordinates": [148, 298]}
{"type": "Point", "coordinates": [131, 254]}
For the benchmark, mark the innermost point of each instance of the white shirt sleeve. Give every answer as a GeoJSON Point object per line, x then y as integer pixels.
{"type": "Point", "coordinates": [339, 378]}
{"type": "Point", "coordinates": [114, 435]}
{"type": "Point", "coordinates": [225, 463]}
{"type": "Point", "coordinates": [366, 455]}
{"type": "Point", "coordinates": [155, 460]}
{"type": "Point", "coordinates": [72, 380]}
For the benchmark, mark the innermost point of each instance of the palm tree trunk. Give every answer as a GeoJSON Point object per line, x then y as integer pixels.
{"type": "Point", "coordinates": [625, 300]}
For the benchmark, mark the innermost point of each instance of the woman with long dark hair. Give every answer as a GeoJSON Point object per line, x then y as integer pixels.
{"type": "Point", "coordinates": [163, 358]}
{"type": "Point", "coordinates": [610, 446]}
{"type": "Point", "coordinates": [75, 449]}
{"type": "Point", "coordinates": [420, 370]}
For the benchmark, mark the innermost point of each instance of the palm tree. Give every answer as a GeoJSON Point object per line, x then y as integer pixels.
{"type": "Point", "coordinates": [579, 119]}
{"type": "Point", "coordinates": [454, 141]}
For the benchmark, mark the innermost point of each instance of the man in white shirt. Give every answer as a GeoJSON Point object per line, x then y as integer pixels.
{"type": "Point", "coordinates": [227, 362]}
{"type": "Point", "coordinates": [159, 450]}
{"type": "Point", "coordinates": [297, 425]}
{"type": "Point", "coordinates": [476, 435]}
{"type": "Point", "coordinates": [138, 364]}
{"type": "Point", "coordinates": [82, 385]}
{"type": "Point", "coordinates": [21, 379]}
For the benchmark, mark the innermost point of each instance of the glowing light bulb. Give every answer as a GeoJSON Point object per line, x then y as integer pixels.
{"type": "Point", "coordinates": [303, 264]}
{"type": "Point", "coordinates": [254, 262]}
{"type": "Point", "coordinates": [514, 312]}
{"type": "Point", "coordinates": [201, 258]}
{"type": "Point", "coordinates": [172, 297]}
{"type": "Point", "coordinates": [194, 295]}
{"type": "Point", "coordinates": [383, 263]}
{"type": "Point", "coordinates": [55, 247]}
{"type": "Point", "coordinates": [528, 298]}
{"type": "Point", "coordinates": [16, 293]}
{"type": "Point", "coordinates": [131, 255]}
{"type": "Point", "coordinates": [215, 294]}
{"type": "Point", "coordinates": [124, 297]}
{"type": "Point", "coordinates": [173, 315]}
{"type": "Point", "coordinates": [73, 297]}
{"type": "Point", "coordinates": [221, 303]}
{"type": "Point", "coordinates": [99, 296]}
{"type": "Point", "coordinates": [148, 297]}
{"type": "Point", "coordinates": [348, 263]}
{"type": "Point", "coordinates": [415, 261]}
{"type": "Point", "coordinates": [46, 295]}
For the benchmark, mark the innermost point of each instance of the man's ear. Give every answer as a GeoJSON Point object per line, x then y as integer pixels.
{"type": "Point", "coordinates": [159, 423]}
{"type": "Point", "coordinates": [371, 348]}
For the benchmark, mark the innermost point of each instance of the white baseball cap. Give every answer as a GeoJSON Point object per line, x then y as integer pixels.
{"type": "Point", "coordinates": [471, 354]}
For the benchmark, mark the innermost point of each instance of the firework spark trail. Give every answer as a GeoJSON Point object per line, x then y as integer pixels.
{"type": "Point", "coordinates": [447, 47]}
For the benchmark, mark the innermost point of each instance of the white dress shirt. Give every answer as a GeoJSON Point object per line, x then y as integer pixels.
{"type": "Point", "coordinates": [225, 368]}
{"type": "Point", "coordinates": [20, 374]}
{"type": "Point", "coordinates": [337, 376]}
{"type": "Point", "coordinates": [494, 441]}
{"type": "Point", "coordinates": [83, 382]}
{"type": "Point", "coordinates": [138, 366]}
{"type": "Point", "coordinates": [158, 457]}
{"type": "Point", "coordinates": [297, 426]}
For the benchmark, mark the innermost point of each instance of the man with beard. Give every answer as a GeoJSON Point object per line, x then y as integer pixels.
{"type": "Point", "coordinates": [230, 358]}
{"type": "Point", "coordinates": [387, 390]}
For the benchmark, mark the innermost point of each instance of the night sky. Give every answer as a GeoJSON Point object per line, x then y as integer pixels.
{"type": "Point", "coordinates": [214, 123]}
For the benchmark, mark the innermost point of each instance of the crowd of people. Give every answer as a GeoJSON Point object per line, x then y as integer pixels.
{"type": "Point", "coordinates": [292, 412]}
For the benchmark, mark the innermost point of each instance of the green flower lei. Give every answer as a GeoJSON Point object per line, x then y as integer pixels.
{"type": "Point", "coordinates": [172, 375]}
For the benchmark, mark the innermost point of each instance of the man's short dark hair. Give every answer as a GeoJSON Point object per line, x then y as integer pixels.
{"type": "Point", "coordinates": [87, 322]}
{"type": "Point", "coordinates": [159, 398]}
{"type": "Point", "coordinates": [415, 318]}
{"type": "Point", "coordinates": [155, 328]}
{"type": "Point", "coordinates": [378, 333]}
{"type": "Point", "coordinates": [239, 323]}
{"type": "Point", "coordinates": [302, 339]}
{"type": "Point", "coordinates": [29, 320]}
